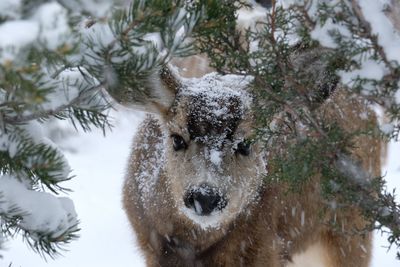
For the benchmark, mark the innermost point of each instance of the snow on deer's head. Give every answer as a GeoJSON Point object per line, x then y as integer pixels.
{"type": "Point", "coordinates": [213, 169]}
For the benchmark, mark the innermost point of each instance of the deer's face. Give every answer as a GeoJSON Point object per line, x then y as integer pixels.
{"type": "Point", "coordinates": [214, 169]}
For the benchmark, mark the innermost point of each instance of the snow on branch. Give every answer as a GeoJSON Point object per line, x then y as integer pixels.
{"type": "Point", "coordinates": [44, 217]}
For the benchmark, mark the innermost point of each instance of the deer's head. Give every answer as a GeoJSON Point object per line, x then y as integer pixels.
{"type": "Point", "coordinates": [213, 167]}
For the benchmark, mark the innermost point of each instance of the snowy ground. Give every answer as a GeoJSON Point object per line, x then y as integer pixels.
{"type": "Point", "coordinates": [106, 239]}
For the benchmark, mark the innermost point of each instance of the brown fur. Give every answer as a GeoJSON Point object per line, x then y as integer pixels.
{"type": "Point", "coordinates": [269, 232]}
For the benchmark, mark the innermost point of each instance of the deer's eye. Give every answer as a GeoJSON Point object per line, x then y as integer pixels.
{"type": "Point", "coordinates": [243, 148]}
{"type": "Point", "coordinates": [178, 142]}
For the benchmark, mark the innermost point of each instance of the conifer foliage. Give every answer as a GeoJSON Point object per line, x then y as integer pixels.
{"type": "Point", "coordinates": [57, 59]}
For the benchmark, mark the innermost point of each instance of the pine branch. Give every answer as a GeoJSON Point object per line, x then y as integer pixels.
{"type": "Point", "coordinates": [48, 113]}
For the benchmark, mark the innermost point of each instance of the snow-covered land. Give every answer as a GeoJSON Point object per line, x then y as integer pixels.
{"type": "Point", "coordinates": [106, 238]}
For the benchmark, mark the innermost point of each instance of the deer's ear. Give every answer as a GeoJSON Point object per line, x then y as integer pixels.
{"type": "Point", "coordinates": [154, 94]}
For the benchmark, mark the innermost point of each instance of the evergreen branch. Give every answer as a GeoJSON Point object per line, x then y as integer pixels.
{"type": "Point", "coordinates": [122, 36]}
{"type": "Point", "coordinates": [43, 169]}
{"type": "Point", "coordinates": [46, 245]}
{"type": "Point", "coordinates": [45, 241]}
{"type": "Point", "coordinates": [42, 243]}
{"type": "Point", "coordinates": [47, 113]}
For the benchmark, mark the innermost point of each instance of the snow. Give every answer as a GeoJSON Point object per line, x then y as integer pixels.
{"type": "Point", "coordinates": [369, 69]}
{"type": "Point", "coordinates": [215, 89]}
{"type": "Point", "coordinates": [382, 27]}
{"type": "Point", "coordinates": [387, 128]}
{"type": "Point", "coordinates": [197, 208]}
{"type": "Point", "coordinates": [21, 32]}
{"type": "Point", "coordinates": [153, 44]}
{"type": "Point", "coordinates": [53, 22]}
{"type": "Point", "coordinates": [97, 8]}
{"type": "Point", "coordinates": [348, 167]}
{"type": "Point", "coordinates": [155, 39]}
{"type": "Point", "coordinates": [388, 37]}
{"type": "Point", "coordinates": [68, 85]}
{"type": "Point", "coordinates": [216, 157]}
{"type": "Point", "coordinates": [181, 31]}
{"type": "Point", "coordinates": [322, 33]}
{"type": "Point", "coordinates": [397, 95]}
{"type": "Point", "coordinates": [37, 133]}
{"type": "Point", "coordinates": [40, 211]}
{"type": "Point", "coordinates": [100, 33]}
{"type": "Point", "coordinates": [65, 171]}
{"type": "Point", "coordinates": [248, 17]}
{"type": "Point", "coordinates": [48, 27]}
{"type": "Point", "coordinates": [381, 255]}
{"type": "Point", "coordinates": [10, 8]}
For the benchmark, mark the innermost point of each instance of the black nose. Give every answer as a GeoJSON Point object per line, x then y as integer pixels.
{"type": "Point", "coordinates": [204, 199]}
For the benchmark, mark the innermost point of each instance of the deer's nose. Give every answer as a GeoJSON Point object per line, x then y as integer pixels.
{"type": "Point", "coordinates": [204, 199]}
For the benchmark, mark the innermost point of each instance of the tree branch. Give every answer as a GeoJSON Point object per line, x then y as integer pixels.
{"type": "Point", "coordinates": [47, 113]}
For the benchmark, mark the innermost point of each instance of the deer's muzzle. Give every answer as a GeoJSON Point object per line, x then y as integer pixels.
{"type": "Point", "coordinates": [204, 199]}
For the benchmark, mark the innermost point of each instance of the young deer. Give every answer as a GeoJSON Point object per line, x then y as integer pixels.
{"type": "Point", "coordinates": [196, 191]}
